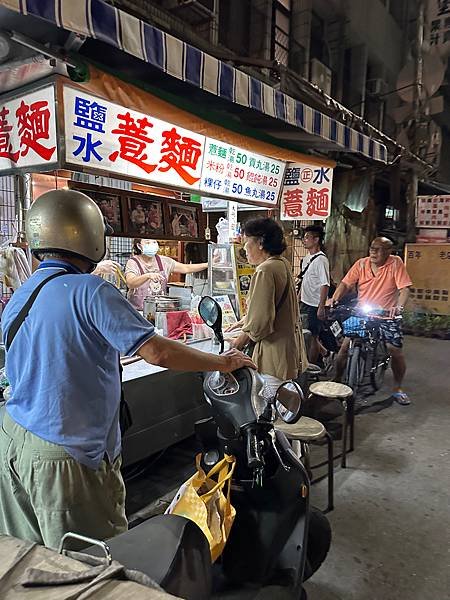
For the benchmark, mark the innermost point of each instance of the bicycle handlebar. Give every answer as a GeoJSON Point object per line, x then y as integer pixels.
{"type": "Point", "coordinates": [349, 311]}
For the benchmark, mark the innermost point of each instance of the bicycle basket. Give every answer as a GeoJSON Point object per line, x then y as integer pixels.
{"type": "Point", "coordinates": [354, 327]}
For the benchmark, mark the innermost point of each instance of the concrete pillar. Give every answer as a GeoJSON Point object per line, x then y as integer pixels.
{"type": "Point", "coordinates": [299, 58]}
{"type": "Point", "coordinates": [358, 69]}
{"type": "Point", "coordinates": [261, 29]}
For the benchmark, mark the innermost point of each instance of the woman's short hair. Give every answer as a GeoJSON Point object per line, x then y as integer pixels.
{"type": "Point", "coordinates": [137, 246]}
{"type": "Point", "coordinates": [269, 232]}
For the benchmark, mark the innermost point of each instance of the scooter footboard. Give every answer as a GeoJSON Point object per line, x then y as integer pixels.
{"type": "Point", "coordinates": [270, 529]}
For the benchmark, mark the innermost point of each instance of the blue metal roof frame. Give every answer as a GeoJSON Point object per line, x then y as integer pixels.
{"type": "Point", "coordinates": [100, 21]}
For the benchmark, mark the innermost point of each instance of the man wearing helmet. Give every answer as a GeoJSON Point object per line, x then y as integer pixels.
{"type": "Point", "coordinates": [60, 441]}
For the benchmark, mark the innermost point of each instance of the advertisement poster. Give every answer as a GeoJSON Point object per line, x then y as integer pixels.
{"type": "Point", "coordinates": [228, 314]}
{"type": "Point", "coordinates": [244, 273]}
{"type": "Point", "coordinates": [306, 192]}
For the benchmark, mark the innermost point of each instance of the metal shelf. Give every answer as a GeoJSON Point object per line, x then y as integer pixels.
{"type": "Point", "coordinates": [220, 268]}
{"type": "Point", "coordinates": [221, 292]}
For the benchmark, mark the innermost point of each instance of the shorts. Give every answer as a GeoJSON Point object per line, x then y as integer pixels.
{"type": "Point", "coordinates": [313, 323]}
{"type": "Point", "coordinates": [392, 332]}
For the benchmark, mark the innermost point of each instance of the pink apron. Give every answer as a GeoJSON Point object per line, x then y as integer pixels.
{"type": "Point", "coordinates": [137, 295]}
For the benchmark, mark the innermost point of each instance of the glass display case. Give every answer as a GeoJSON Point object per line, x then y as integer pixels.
{"type": "Point", "coordinates": [229, 274]}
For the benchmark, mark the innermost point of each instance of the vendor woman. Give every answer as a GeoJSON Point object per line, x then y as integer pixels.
{"type": "Point", "coordinates": [147, 273]}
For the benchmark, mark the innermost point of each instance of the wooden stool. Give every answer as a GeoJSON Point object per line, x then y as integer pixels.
{"type": "Point", "coordinates": [308, 431]}
{"type": "Point", "coordinates": [343, 393]}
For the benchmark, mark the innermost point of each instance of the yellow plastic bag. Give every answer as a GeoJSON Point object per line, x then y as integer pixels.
{"type": "Point", "coordinates": [205, 499]}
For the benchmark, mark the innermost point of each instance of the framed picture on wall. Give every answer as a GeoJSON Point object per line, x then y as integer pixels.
{"type": "Point", "coordinates": [183, 221]}
{"type": "Point", "coordinates": [144, 217]}
{"type": "Point", "coordinates": [109, 204]}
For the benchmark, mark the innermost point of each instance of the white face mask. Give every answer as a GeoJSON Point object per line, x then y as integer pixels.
{"type": "Point", "coordinates": [150, 248]}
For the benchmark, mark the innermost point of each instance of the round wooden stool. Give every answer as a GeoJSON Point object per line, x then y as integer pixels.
{"type": "Point", "coordinates": [344, 394]}
{"type": "Point", "coordinates": [302, 433]}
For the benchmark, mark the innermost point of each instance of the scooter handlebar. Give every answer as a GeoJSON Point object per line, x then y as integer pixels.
{"type": "Point", "coordinates": [254, 459]}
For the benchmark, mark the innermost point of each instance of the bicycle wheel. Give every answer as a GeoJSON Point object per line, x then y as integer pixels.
{"type": "Point", "coordinates": [380, 361]}
{"type": "Point", "coordinates": [353, 369]}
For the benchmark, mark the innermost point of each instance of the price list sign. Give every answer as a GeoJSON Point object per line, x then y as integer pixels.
{"type": "Point", "coordinates": [236, 173]}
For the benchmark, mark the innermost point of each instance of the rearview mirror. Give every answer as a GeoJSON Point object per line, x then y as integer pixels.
{"type": "Point", "coordinates": [211, 313]}
{"type": "Point", "coordinates": [288, 401]}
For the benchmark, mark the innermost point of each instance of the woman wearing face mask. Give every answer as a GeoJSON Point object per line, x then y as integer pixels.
{"type": "Point", "coordinates": [147, 273]}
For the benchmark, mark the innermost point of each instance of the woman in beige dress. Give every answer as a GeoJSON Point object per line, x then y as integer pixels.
{"type": "Point", "coordinates": [272, 321]}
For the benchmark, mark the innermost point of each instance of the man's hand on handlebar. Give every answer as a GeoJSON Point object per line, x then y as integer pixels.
{"type": "Point", "coordinates": [331, 302]}
{"type": "Point", "coordinates": [395, 311]}
{"type": "Point", "coordinates": [234, 359]}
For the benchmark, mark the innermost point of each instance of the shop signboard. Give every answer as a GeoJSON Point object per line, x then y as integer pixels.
{"type": "Point", "coordinates": [103, 137]}
{"type": "Point", "coordinates": [28, 131]}
{"type": "Point", "coordinates": [438, 22]}
{"type": "Point", "coordinates": [433, 211]}
{"type": "Point", "coordinates": [428, 266]}
{"type": "Point", "coordinates": [232, 172]}
{"type": "Point", "coordinates": [232, 216]}
{"type": "Point", "coordinates": [108, 137]}
{"type": "Point", "coordinates": [220, 205]}
{"type": "Point", "coordinates": [306, 192]}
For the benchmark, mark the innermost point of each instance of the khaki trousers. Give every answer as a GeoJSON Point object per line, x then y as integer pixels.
{"type": "Point", "coordinates": [44, 492]}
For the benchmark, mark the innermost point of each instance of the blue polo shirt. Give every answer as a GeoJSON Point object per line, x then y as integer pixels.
{"type": "Point", "coordinates": [63, 364]}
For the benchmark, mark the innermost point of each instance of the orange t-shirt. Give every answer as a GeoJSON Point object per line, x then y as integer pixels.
{"type": "Point", "coordinates": [380, 290]}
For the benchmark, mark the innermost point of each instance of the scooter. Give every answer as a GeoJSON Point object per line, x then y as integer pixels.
{"type": "Point", "coordinates": [269, 540]}
{"type": "Point", "coordinates": [276, 539]}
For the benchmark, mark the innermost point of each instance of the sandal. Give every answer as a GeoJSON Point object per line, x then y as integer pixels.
{"type": "Point", "coordinates": [401, 398]}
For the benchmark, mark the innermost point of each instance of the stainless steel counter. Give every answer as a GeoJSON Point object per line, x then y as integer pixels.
{"type": "Point", "coordinates": [164, 404]}
{"type": "Point", "coordinates": [141, 368]}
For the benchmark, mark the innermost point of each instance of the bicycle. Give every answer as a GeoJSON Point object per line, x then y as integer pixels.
{"type": "Point", "coordinates": [368, 357]}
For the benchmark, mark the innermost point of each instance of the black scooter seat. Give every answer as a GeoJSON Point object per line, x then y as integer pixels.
{"type": "Point", "coordinates": [171, 550]}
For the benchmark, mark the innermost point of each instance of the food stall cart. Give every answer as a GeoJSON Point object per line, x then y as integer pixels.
{"type": "Point", "coordinates": [160, 153]}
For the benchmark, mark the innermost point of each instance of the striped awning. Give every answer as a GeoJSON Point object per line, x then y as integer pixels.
{"type": "Point", "coordinates": [101, 21]}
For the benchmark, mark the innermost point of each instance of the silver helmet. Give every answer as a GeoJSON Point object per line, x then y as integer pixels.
{"type": "Point", "coordinates": [68, 221]}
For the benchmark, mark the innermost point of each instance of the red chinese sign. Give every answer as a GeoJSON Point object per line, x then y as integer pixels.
{"type": "Point", "coordinates": [28, 130]}
{"type": "Point", "coordinates": [306, 192]}
{"type": "Point", "coordinates": [101, 134]}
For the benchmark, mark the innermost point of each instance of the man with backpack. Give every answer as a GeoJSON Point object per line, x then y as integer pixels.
{"type": "Point", "coordinates": [315, 283]}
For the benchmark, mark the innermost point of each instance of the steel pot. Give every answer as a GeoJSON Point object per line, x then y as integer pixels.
{"type": "Point", "coordinates": [154, 304]}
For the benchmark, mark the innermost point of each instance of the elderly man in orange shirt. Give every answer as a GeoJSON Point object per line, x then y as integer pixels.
{"type": "Point", "coordinates": [383, 282]}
